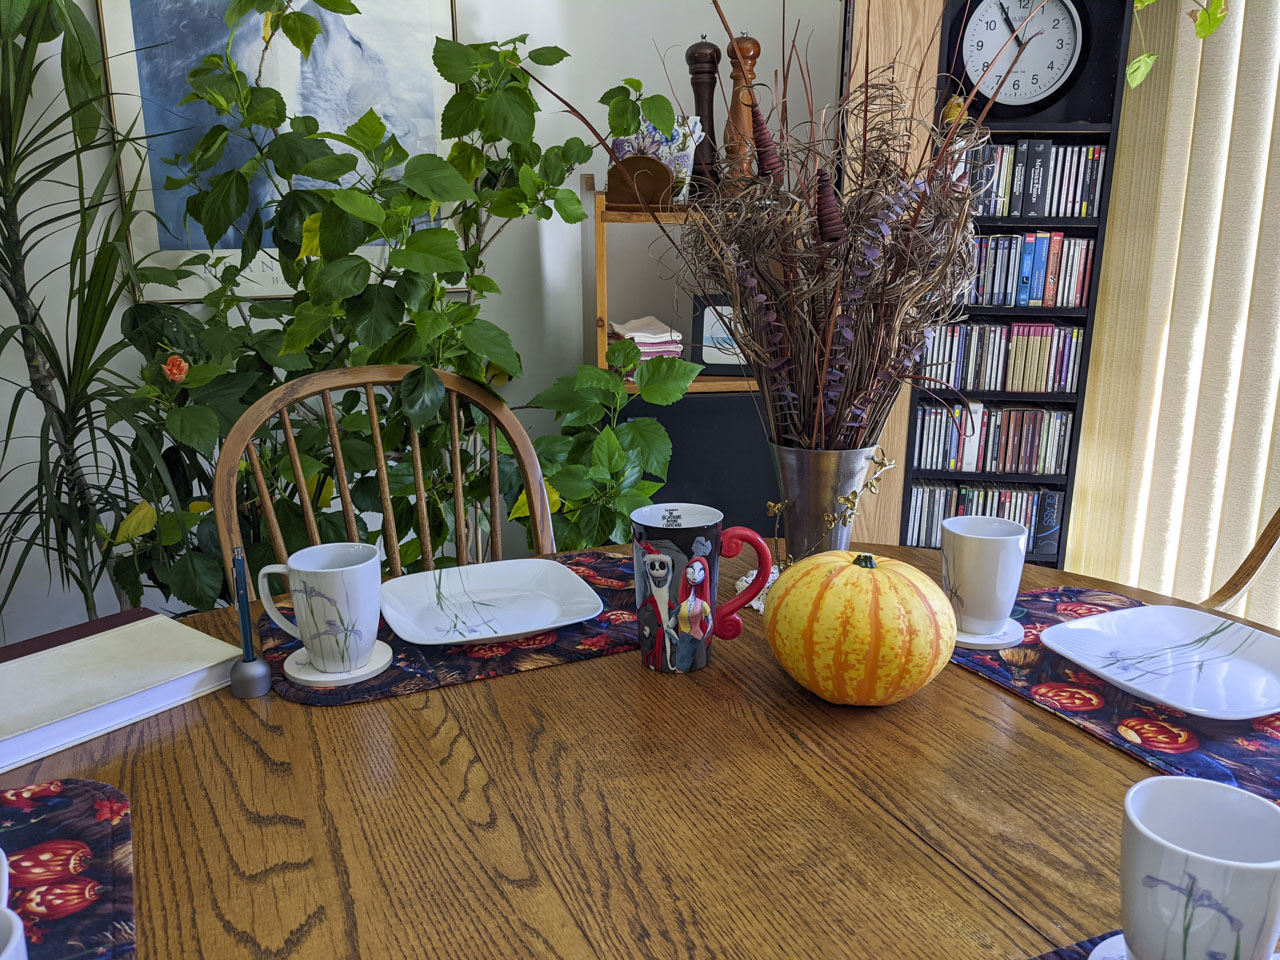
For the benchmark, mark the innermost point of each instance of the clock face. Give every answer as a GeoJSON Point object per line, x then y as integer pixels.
{"type": "Point", "coordinates": [1052, 41]}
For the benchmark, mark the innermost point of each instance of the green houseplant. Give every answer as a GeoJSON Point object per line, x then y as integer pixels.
{"type": "Point", "coordinates": [78, 506]}
{"type": "Point", "coordinates": [434, 219]}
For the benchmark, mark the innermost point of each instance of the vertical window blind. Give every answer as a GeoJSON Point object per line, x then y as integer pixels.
{"type": "Point", "coordinates": [1179, 463]}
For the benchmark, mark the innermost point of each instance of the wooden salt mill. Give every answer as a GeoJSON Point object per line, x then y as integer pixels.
{"type": "Point", "coordinates": [703, 59]}
{"type": "Point", "coordinates": [744, 51]}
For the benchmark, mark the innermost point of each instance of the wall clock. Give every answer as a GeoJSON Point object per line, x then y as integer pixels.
{"type": "Point", "coordinates": [1052, 41]}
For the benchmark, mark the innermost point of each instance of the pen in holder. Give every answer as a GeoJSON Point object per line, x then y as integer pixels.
{"type": "Point", "coordinates": [250, 677]}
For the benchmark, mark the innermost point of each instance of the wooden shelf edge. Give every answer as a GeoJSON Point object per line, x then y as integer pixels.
{"type": "Point", "coordinates": [714, 385]}
{"type": "Point", "coordinates": [675, 216]}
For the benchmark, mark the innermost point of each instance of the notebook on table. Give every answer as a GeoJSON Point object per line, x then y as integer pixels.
{"type": "Point", "coordinates": [73, 685]}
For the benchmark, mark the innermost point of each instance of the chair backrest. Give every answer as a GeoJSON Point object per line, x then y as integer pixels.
{"type": "Point", "coordinates": [240, 443]}
{"type": "Point", "coordinates": [1227, 595]}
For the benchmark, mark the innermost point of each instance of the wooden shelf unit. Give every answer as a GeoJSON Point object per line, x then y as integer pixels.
{"type": "Point", "coordinates": [674, 217]}
{"type": "Point", "coordinates": [1061, 132]}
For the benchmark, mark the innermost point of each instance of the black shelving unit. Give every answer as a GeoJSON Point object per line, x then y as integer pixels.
{"type": "Point", "coordinates": [1087, 113]}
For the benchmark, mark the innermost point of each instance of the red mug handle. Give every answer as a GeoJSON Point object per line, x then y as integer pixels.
{"type": "Point", "coordinates": [727, 622]}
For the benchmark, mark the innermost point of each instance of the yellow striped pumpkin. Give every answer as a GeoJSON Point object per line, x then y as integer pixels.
{"type": "Point", "coordinates": [859, 629]}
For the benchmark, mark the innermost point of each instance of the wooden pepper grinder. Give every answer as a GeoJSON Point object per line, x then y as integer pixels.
{"type": "Point", "coordinates": [703, 59]}
{"type": "Point", "coordinates": [744, 51]}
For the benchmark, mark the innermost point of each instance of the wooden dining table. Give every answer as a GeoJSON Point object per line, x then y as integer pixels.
{"type": "Point", "coordinates": [600, 810]}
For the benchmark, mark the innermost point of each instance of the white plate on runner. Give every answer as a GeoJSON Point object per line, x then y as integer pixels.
{"type": "Point", "coordinates": [1187, 659]}
{"type": "Point", "coordinates": [486, 602]}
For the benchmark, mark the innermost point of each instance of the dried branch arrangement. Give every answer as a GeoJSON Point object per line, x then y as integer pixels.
{"type": "Point", "coordinates": [849, 244]}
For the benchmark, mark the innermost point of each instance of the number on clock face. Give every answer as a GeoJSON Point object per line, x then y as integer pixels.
{"type": "Point", "coordinates": [1052, 40]}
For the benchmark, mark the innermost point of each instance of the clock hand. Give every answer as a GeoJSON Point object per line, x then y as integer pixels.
{"type": "Point", "coordinates": [1004, 12]}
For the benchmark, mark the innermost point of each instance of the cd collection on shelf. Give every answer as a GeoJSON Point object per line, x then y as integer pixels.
{"type": "Point", "coordinates": [1042, 269]}
{"type": "Point", "coordinates": [1038, 178]}
{"type": "Point", "coordinates": [1037, 509]}
{"type": "Point", "coordinates": [991, 438]}
{"type": "Point", "coordinates": [1016, 358]}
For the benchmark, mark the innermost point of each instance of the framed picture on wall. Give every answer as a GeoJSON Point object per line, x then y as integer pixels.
{"type": "Point", "coordinates": [376, 58]}
{"type": "Point", "coordinates": [713, 345]}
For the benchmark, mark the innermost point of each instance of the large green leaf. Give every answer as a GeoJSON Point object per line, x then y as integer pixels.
{"type": "Point", "coordinates": [268, 344]}
{"type": "Point", "coordinates": [196, 579]}
{"type": "Point", "coordinates": [573, 482]}
{"type": "Point", "coordinates": [603, 386]}
{"type": "Point", "coordinates": [339, 279]}
{"type": "Point", "coordinates": [81, 71]}
{"type": "Point", "coordinates": [493, 343]}
{"type": "Point", "coordinates": [368, 132]}
{"type": "Point", "coordinates": [226, 199]}
{"type": "Point", "coordinates": [421, 394]}
{"type": "Point", "coordinates": [546, 56]}
{"type": "Point", "coordinates": [266, 107]}
{"type": "Point", "coordinates": [454, 61]}
{"type": "Point", "coordinates": [290, 152]}
{"type": "Point", "coordinates": [309, 322]}
{"type": "Point", "coordinates": [462, 114]}
{"type": "Point", "coordinates": [331, 167]}
{"type": "Point", "coordinates": [595, 524]}
{"type": "Point", "coordinates": [623, 354]}
{"type": "Point", "coordinates": [624, 117]}
{"type": "Point", "coordinates": [376, 313]}
{"type": "Point", "coordinates": [338, 6]}
{"type": "Point", "coordinates": [509, 113]}
{"type": "Point", "coordinates": [194, 425]}
{"type": "Point", "coordinates": [657, 110]}
{"type": "Point", "coordinates": [302, 30]}
{"type": "Point", "coordinates": [564, 398]}
{"type": "Point", "coordinates": [607, 455]}
{"type": "Point", "coordinates": [360, 205]}
{"type": "Point", "coordinates": [434, 178]}
{"type": "Point", "coordinates": [340, 233]}
{"type": "Point", "coordinates": [434, 250]}
{"type": "Point", "coordinates": [646, 439]}
{"type": "Point", "coordinates": [664, 380]}
{"type": "Point", "coordinates": [293, 210]}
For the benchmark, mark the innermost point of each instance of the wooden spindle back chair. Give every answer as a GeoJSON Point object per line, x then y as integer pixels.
{"type": "Point", "coordinates": [240, 443]}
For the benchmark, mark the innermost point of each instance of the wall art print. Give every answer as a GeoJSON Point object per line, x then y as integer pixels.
{"type": "Point", "coordinates": [372, 59]}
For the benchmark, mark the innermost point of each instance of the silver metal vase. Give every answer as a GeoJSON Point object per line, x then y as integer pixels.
{"type": "Point", "coordinates": [820, 491]}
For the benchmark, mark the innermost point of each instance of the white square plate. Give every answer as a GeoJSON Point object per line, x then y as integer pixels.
{"type": "Point", "coordinates": [486, 602]}
{"type": "Point", "coordinates": [1187, 659]}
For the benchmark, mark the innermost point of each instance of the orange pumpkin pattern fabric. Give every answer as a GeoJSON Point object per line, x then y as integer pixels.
{"type": "Point", "coordinates": [1243, 753]}
{"type": "Point", "coordinates": [70, 868]}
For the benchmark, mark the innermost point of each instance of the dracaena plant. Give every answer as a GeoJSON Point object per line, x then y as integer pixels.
{"type": "Point", "coordinates": [74, 503]}
{"type": "Point", "coordinates": [372, 241]}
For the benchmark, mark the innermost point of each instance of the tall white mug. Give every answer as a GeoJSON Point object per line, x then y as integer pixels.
{"type": "Point", "coordinates": [13, 939]}
{"type": "Point", "coordinates": [981, 570]}
{"type": "Point", "coordinates": [1200, 871]}
{"type": "Point", "coordinates": [337, 593]}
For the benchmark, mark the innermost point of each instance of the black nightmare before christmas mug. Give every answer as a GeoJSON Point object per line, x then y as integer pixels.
{"type": "Point", "coordinates": [677, 565]}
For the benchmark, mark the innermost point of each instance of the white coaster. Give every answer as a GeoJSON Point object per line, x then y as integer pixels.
{"type": "Point", "coordinates": [1010, 635]}
{"type": "Point", "coordinates": [1113, 948]}
{"type": "Point", "coordinates": [298, 668]}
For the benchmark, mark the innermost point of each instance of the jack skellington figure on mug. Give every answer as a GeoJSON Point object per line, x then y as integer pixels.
{"type": "Point", "coordinates": [677, 548]}
{"type": "Point", "coordinates": [675, 610]}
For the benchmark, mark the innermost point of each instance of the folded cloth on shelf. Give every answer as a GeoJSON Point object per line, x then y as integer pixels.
{"type": "Point", "coordinates": [645, 330]}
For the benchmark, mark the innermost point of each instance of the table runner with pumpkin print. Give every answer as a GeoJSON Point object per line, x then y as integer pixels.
{"type": "Point", "coordinates": [415, 668]}
{"type": "Point", "coordinates": [1245, 753]}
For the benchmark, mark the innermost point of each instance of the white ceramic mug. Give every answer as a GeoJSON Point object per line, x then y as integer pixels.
{"type": "Point", "coordinates": [1200, 871]}
{"type": "Point", "coordinates": [13, 939]}
{"type": "Point", "coordinates": [981, 570]}
{"type": "Point", "coordinates": [337, 591]}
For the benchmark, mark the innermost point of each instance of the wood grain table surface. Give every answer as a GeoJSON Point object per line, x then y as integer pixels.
{"type": "Point", "coordinates": [597, 809]}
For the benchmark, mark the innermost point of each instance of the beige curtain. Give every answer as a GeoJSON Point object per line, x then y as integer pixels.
{"type": "Point", "coordinates": [1179, 461]}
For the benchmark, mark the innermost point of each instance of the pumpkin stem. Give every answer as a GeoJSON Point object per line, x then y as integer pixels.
{"type": "Point", "coordinates": [865, 560]}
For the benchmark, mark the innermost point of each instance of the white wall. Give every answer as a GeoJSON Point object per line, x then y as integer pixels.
{"type": "Point", "coordinates": [545, 268]}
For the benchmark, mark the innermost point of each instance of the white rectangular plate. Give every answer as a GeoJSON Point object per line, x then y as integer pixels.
{"type": "Point", "coordinates": [1187, 659]}
{"type": "Point", "coordinates": [487, 602]}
